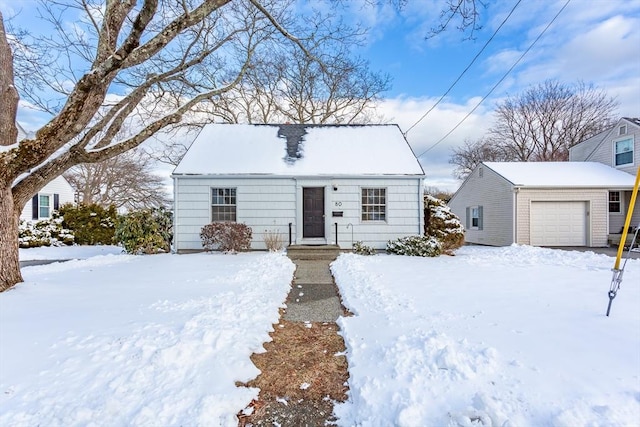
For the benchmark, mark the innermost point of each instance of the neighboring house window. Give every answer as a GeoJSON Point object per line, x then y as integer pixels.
{"type": "Point", "coordinates": [44, 203]}
{"type": "Point", "coordinates": [374, 204]}
{"type": "Point", "coordinates": [624, 152]}
{"type": "Point", "coordinates": [615, 205]}
{"type": "Point", "coordinates": [223, 204]}
{"type": "Point", "coordinates": [622, 130]}
{"type": "Point", "coordinates": [474, 217]}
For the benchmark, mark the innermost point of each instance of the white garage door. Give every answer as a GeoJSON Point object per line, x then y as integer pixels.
{"type": "Point", "coordinates": [559, 223]}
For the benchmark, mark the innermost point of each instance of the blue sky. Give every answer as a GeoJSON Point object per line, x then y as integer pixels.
{"type": "Point", "coordinates": [595, 41]}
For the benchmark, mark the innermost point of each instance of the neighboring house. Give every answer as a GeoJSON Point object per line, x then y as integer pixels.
{"type": "Point", "coordinates": [299, 181]}
{"type": "Point", "coordinates": [53, 195]}
{"type": "Point", "coordinates": [50, 198]}
{"type": "Point", "coordinates": [618, 147]}
{"type": "Point", "coordinates": [543, 203]}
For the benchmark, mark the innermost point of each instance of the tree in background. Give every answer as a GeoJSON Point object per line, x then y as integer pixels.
{"type": "Point", "coordinates": [93, 76]}
{"type": "Point", "coordinates": [541, 124]}
{"type": "Point", "coordinates": [126, 181]}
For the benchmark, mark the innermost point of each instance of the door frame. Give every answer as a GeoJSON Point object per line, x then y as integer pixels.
{"type": "Point", "coordinates": [321, 190]}
{"type": "Point", "coordinates": [299, 224]}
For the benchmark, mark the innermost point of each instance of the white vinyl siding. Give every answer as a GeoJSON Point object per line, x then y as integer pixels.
{"type": "Point", "coordinates": [559, 223]}
{"type": "Point", "coordinates": [597, 211]}
{"type": "Point", "coordinates": [58, 186]}
{"type": "Point", "coordinates": [270, 204]}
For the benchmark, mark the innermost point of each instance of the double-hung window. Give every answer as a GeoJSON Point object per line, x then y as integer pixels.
{"type": "Point", "coordinates": [474, 218]}
{"type": "Point", "coordinates": [223, 204]}
{"type": "Point", "coordinates": [44, 205]}
{"type": "Point", "coordinates": [624, 152]}
{"type": "Point", "coordinates": [614, 202]}
{"type": "Point", "coordinates": [374, 204]}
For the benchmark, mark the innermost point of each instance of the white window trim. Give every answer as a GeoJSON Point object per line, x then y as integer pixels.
{"type": "Point", "coordinates": [49, 206]}
{"type": "Point", "coordinates": [211, 205]}
{"type": "Point", "coordinates": [386, 206]}
{"type": "Point", "coordinates": [633, 154]}
{"type": "Point", "coordinates": [621, 202]}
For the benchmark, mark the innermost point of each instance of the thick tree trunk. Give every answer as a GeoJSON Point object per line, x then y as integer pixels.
{"type": "Point", "coordinates": [9, 255]}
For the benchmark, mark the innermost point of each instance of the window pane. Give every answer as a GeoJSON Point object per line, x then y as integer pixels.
{"type": "Point", "coordinates": [223, 204]}
{"type": "Point", "coordinates": [624, 152]}
{"type": "Point", "coordinates": [373, 204]}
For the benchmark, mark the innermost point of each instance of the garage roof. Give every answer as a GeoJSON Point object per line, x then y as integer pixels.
{"type": "Point", "coordinates": [562, 174]}
{"type": "Point", "coordinates": [299, 150]}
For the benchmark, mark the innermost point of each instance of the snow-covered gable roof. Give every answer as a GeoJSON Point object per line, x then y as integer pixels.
{"type": "Point", "coordinates": [562, 174]}
{"type": "Point", "coordinates": [299, 150]}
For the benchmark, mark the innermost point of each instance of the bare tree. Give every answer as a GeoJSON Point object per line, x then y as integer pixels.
{"type": "Point", "coordinates": [541, 124]}
{"type": "Point", "coordinates": [92, 76]}
{"type": "Point", "coordinates": [472, 153]}
{"type": "Point", "coordinates": [546, 120]}
{"type": "Point", "coordinates": [126, 181]}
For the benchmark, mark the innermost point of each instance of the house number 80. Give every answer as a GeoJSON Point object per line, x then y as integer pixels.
{"type": "Point", "coordinates": [337, 203]}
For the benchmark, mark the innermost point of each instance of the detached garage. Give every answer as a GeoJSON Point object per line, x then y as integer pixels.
{"type": "Point", "coordinates": [540, 203]}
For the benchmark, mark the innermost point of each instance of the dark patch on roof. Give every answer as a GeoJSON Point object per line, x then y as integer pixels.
{"type": "Point", "coordinates": [294, 135]}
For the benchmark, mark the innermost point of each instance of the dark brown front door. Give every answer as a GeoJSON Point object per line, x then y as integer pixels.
{"type": "Point", "coordinates": [313, 212]}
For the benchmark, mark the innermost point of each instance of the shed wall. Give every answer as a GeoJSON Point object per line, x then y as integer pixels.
{"type": "Point", "coordinates": [486, 188]}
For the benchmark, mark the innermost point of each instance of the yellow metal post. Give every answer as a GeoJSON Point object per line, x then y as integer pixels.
{"type": "Point", "coordinates": [627, 221]}
{"type": "Point", "coordinates": [617, 272]}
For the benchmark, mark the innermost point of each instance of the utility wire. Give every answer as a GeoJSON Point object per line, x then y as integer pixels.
{"type": "Point", "coordinates": [498, 83]}
{"type": "Point", "coordinates": [465, 70]}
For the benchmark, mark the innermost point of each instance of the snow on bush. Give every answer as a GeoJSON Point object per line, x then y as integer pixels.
{"type": "Point", "coordinates": [48, 232]}
{"type": "Point", "coordinates": [362, 249]}
{"type": "Point", "coordinates": [442, 224]}
{"type": "Point", "coordinates": [425, 246]}
{"type": "Point", "coordinates": [226, 237]}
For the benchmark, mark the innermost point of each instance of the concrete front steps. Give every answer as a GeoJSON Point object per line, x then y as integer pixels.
{"type": "Point", "coordinates": [308, 252]}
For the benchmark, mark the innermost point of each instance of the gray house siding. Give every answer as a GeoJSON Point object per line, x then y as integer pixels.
{"type": "Point", "coordinates": [485, 188]}
{"type": "Point", "coordinates": [269, 204]}
{"type": "Point", "coordinates": [604, 151]}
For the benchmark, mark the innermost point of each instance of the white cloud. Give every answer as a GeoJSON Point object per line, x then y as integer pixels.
{"type": "Point", "coordinates": [407, 111]}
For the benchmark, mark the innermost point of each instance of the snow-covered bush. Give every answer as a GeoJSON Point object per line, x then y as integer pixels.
{"type": "Point", "coordinates": [425, 246]}
{"type": "Point", "coordinates": [48, 232]}
{"type": "Point", "coordinates": [362, 249]}
{"type": "Point", "coordinates": [91, 224]}
{"type": "Point", "coordinates": [147, 231]}
{"type": "Point", "coordinates": [442, 224]}
{"type": "Point", "coordinates": [226, 237]}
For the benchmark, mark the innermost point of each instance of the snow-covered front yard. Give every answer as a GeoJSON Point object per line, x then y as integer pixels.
{"type": "Point", "coordinates": [491, 337]}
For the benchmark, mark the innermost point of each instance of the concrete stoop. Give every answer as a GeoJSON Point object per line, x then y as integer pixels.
{"type": "Point", "coordinates": [308, 252]}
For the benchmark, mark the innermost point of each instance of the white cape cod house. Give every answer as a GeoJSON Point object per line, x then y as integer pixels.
{"type": "Point", "coordinates": [312, 184]}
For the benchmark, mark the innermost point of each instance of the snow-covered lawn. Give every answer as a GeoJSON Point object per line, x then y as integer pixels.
{"type": "Point", "coordinates": [512, 336]}
{"type": "Point", "coordinates": [119, 340]}
{"type": "Point", "coordinates": [491, 337]}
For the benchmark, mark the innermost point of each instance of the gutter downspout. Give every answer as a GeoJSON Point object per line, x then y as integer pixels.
{"type": "Point", "coordinates": [516, 190]}
{"type": "Point", "coordinates": [174, 244]}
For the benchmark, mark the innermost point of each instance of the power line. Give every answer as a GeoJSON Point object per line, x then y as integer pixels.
{"type": "Point", "coordinates": [498, 83]}
{"type": "Point", "coordinates": [465, 70]}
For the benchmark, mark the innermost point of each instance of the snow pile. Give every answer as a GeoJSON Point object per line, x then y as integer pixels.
{"type": "Point", "coordinates": [510, 336]}
{"type": "Point", "coordinates": [128, 340]}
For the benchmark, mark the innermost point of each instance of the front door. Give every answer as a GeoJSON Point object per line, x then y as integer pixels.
{"type": "Point", "coordinates": [313, 212]}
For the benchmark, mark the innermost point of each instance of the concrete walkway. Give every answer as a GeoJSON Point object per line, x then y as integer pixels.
{"type": "Point", "coordinates": [314, 296]}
